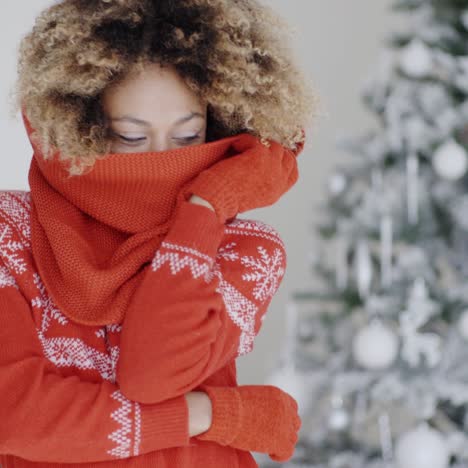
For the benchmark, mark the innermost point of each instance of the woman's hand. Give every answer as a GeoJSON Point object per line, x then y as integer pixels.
{"type": "Point", "coordinates": [200, 412]}
{"type": "Point", "coordinates": [259, 418]}
{"type": "Point", "coordinates": [257, 176]}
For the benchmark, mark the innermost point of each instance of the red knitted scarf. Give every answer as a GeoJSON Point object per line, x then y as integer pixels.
{"type": "Point", "coordinates": [92, 234]}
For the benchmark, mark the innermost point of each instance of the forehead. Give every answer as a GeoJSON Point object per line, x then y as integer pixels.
{"type": "Point", "coordinates": [155, 90]}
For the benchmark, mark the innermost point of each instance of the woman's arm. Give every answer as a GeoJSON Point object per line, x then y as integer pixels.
{"type": "Point", "coordinates": [200, 412]}
{"type": "Point", "coordinates": [200, 303]}
{"type": "Point", "coordinates": [46, 417]}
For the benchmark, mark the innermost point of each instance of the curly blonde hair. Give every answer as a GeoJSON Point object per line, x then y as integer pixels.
{"type": "Point", "coordinates": [232, 53]}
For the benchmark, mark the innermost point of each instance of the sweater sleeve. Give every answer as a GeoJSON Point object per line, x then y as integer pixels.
{"type": "Point", "coordinates": [46, 417]}
{"type": "Point", "coordinates": [200, 304]}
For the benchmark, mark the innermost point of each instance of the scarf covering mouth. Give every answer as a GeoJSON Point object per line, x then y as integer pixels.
{"type": "Point", "coordinates": [92, 234]}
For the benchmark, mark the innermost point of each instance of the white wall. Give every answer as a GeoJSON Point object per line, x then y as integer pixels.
{"type": "Point", "coordinates": [338, 42]}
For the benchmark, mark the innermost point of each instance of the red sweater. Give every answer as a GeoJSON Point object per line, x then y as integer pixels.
{"type": "Point", "coordinates": [70, 398]}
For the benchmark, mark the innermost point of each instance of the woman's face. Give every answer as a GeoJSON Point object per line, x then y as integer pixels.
{"type": "Point", "coordinates": [153, 111]}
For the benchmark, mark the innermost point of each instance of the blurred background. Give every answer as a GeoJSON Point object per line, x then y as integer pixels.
{"type": "Point", "coordinates": [338, 43]}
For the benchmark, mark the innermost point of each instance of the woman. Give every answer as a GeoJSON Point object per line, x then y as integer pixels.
{"type": "Point", "coordinates": [128, 287]}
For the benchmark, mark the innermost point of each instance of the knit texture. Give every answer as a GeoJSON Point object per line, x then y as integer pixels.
{"type": "Point", "coordinates": [257, 177]}
{"type": "Point", "coordinates": [94, 235]}
{"type": "Point", "coordinates": [108, 396]}
{"type": "Point", "coordinates": [261, 418]}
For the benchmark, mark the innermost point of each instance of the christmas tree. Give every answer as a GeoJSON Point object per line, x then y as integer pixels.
{"type": "Point", "coordinates": [377, 350]}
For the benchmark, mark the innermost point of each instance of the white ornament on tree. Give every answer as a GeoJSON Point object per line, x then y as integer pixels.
{"type": "Point", "coordinates": [386, 442]}
{"type": "Point", "coordinates": [463, 324]}
{"type": "Point", "coordinates": [464, 19]}
{"type": "Point", "coordinates": [338, 419]}
{"type": "Point", "coordinates": [412, 187]}
{"type": "Point", "coordinates": [337, 183]}
{"type": "Point", "coordinates": [416, 59]}
{"type": "Point", "coordinates": [386, 248]}
{"type": "Point", "coordinates": [341, 261]}
{"type": "Point", "coordinates": [450, 160]}
{"type": "Point", "coordinates": [416, 345]}
{"type": "Point", "coordinates": [422, 447]}
{"type": "Point", "coordinates": [363, 268]}
{"type": "Point", "coordinates": [375, 346]}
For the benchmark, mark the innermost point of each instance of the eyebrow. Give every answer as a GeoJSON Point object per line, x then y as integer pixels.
{"type": "Point", "coordinates": [129, 118]}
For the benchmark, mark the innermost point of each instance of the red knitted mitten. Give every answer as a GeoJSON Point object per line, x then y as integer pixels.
{"type": "Point", "coordinates": [255, 177]}
{"type": "Point", "coordinates": [259, 418]}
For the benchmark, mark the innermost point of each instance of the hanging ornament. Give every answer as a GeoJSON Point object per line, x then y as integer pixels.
{"type": "Point", "coordinates": [412, 187]}
{"type": "Point", "coordinates": [363, 268]}
{"type": "Point", "coordinates": [386, 251]}
{"type": "Point", "coordinates": [375, 346]}
{"type": "Point", "coordinates": [338, 419]}
{"type": "Point", "coordinates": [418, 346]}
{"type": "Point", "coordinates": [422, 447]}
{"type": "Point", "coordinates": [337, 183]}
{"type": "Point", "coordinates": [386, 442]}
{"type": "Point", "coordinates": [463, 324]}
{"type": "Point", "coordinates": [393, 117]}
{"type": "Point", "coordinates": [416, 59]}
{"type": "Point", "coordinates": [418, 292]}
{"type": "Point", "coordinates": [450, 160]}
{"type": "Point", "coordinates": [341, 262]}
{"type": "Point", "coordinates": [464, 19]}
{"type": "Point", "coordinates": [422, 345]}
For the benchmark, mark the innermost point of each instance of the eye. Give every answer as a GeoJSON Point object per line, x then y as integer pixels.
{"type": "Point", "coordinates": [136, 141]}
{"type": "Point", "coordinates": [131, 140]}
{"type": "Point", "coordinates": [189, 138]}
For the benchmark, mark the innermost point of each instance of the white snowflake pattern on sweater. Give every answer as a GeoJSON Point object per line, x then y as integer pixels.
{"type": "Point", "coordinates": [267, 274]}
{"type": "Point", "coordinates": [64, 351]}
